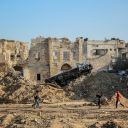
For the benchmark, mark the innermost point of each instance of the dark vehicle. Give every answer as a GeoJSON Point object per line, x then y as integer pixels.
{"type": "Point", "coordinates": [65, 78]}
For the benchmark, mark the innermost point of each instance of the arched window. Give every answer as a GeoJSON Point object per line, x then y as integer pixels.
{"type": "Point", "coordinates": [66, 67]}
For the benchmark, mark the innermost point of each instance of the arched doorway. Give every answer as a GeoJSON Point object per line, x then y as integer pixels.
{"type": "Point", "coordinates": [65, 67]}
{"type": "Point", "coordinates": [19, 69]}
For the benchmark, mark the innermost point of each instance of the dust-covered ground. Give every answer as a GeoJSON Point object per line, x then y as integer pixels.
{"type": "Point", "coordinates": [73, 106]}
{"type": "Point", "coordinates": [16, 89]}
{"type": "Point", "coordinates": [62, 115]}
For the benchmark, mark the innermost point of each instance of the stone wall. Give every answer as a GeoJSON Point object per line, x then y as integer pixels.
{"type": "Point", "coordinates": [56, 55]}
{"type": "Point", "coordinates": [50, 56]}
{"type": "Point", "coordinates": [37, 66]}
{"type": "Point", "coordinates": [101, 53]}
{"type": "Point", "coordinates": [101, 63]}
{"type": "Point", "coordinates": [111, 46]}
{"type": "Point", "coordinates": [13, 52]}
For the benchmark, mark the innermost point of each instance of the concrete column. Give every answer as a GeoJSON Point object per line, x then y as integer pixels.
{"type": "Point", "coordinates": [50, 56]}
{"type": "Point", "coordinates": [80, 47]}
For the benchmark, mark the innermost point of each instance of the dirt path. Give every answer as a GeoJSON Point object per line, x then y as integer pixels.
{"type": "Point", "coordinates": [65, 115]}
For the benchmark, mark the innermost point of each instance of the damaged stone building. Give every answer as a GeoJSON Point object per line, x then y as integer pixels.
{"type": "Point", "coordinates": [13, 54]}
{"type": "Point", "coordinates": [104, 53]}
{"type": "Point", "coordinates": [50, 56]}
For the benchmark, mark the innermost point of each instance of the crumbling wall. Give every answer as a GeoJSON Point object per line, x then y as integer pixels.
{"type": "Point", "coordinates": [92, 46]}
{"type": "Point", "coordinates": [48, 55]}
{"type": "Point", "coordinates": [56, 52]}
{"type": "Point", "coordinates": [37, 66]}
{"type": "Point", "coordinates": [62, 51]}
{"type": "Point", "coordinates": [101, 63]}
{"type": "Point", "coordinates": [12, 52]}
{"type": "Point", "coordinates": [101, 54]}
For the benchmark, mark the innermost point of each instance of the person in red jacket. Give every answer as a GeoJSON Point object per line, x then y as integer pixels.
{"type": "Point", "coordinates": [118, 96]}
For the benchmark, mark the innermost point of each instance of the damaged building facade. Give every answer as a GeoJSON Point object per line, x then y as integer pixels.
{"type": "Point", "coordinates": [50, 56]}
{"type": "Point", "coordinates": [13, 54]}
{"type": "Point", "coordinates": [104, 53]}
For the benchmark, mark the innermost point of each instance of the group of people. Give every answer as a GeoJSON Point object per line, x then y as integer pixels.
{"type": "Point", "coordinates": [117, 97]}
{"type": "Point", "coordinates": [37, 99]}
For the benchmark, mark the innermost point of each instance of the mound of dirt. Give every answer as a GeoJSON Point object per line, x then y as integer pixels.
{"type": "Point", "coordinates": [7, 120]}
{"type": "Point", "coordinates": [101, 83]}
{"type": "Point", "coordinates": [108, 124]}
{"type": "Point", "coordinates": [35, 120]}
{"type": "Point", "coordinates": [24, 121]}
{"type": "Point", "coordinates": [112, 124]}
{"type": "Point", "coordinates": [16, 89]}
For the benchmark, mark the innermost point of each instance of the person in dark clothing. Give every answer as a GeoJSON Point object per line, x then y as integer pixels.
{"type": "Point", "coordinates": [36, 100]}
{"type": "Point", "coordinates": [99, 100]}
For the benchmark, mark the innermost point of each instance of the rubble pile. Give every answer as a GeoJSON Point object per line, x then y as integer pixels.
{"type": "Point", "coordinates": [53, 95]}
{"type": "Point", "coordinates": [113, 124]}
{"type": "Point", "coordinates": [101, 83]}
{"type": "Point", "coordinates": [23, 121]}
{"type": "Point", "coordinates": [11, 82]}
{"type": "Point", "coordinates": [35, 120]}
{"type": "Point", "coordinates": [16, 89]}
{"type": "Point", "coordinates": [108, 124]}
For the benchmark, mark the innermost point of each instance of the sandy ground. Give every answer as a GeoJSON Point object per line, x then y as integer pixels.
{"type": "Point", "coordinates": [61, 115]}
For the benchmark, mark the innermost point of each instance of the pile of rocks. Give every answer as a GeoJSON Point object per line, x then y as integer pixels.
{"type": "Point", "coordinates": [35, 120]}
{"type": "Point", "coordinates": [16, 89]}
{"type": "Point", "coordinates": [10, 82]}
{"type": "Point", "coordinates": [100, 83]}
{"type": "Point", "coordinates": [108, 124]}
{"type": "Point", "coordinates": [24, 120]}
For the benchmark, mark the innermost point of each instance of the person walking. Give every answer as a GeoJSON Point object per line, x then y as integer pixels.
{"type": "Point", "coordinates": [36, 99]}
{"type": "Point", "coordinates": [99, 100]}
{"type": "Point", "coordinates": [118, 96]}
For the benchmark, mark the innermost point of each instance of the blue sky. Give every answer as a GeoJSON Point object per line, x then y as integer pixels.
{"type": "Point", "coordinates": [93, 19]}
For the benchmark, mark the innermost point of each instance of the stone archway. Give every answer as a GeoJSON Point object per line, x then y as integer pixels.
{"type": "Point", "coordinates": [65, 67]}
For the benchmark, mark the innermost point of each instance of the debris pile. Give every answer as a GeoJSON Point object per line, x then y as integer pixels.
{"type": "Point", "coordinates": [16, 89]}
{"type": "Point", "coordinates": [33, 120]}
{"type": "Point", "coordinates": [23, 121]}
{"type": "Point", "coordinates": [111, 124]}
{"type": "Point", "coordinates": [10, 83]}
{"type": "Point", "coordinates": [102, 83]}
{"type": "Point", "coordinates": [108, 124]}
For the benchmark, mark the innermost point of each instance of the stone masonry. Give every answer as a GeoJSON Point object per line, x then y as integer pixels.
{"type": "Point", "coordinates": [102, 54]}
{"type": "Point", "coordinates": [13, 54]}
{"type": "Point", "coordinates": [50, 56]}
